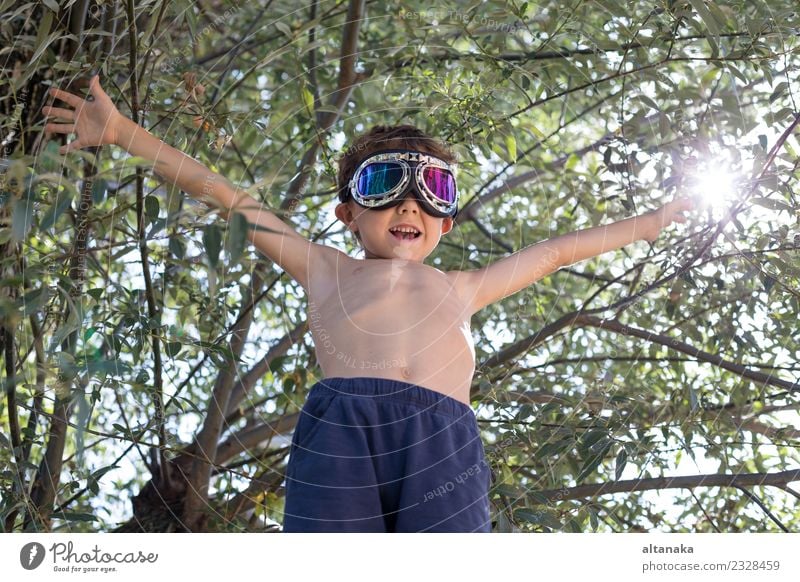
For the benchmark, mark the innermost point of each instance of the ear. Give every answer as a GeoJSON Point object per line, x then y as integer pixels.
{"type": "Point", "coordinates": [447, 225]}
{"type": "Point", "coordinates": [345, 214]}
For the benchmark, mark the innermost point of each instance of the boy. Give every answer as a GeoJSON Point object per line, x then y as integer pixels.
{"type": "Point", "coordinates": [387, 441]}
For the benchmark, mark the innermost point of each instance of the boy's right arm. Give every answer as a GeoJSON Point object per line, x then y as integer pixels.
{"type": "Point", "coordinates": [270, 235]}
{"type": "Point", "coordinates": [98, 122]}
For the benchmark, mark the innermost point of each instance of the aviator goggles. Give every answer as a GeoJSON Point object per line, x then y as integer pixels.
{"type": "Point", "coordinates": [381, 179]}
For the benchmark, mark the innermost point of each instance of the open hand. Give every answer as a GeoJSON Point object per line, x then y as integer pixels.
{"type": "Point", "coordinates": [656, 220]}
{"type": "Point", "coordinates": [95, 121]}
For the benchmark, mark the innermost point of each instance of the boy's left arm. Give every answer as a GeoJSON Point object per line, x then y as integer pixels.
{"type": "Point", "coordinates": [505, 277]}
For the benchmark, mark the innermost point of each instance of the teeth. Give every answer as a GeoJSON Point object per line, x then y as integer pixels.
{"type": "Point", "coordinates": [404, 229]}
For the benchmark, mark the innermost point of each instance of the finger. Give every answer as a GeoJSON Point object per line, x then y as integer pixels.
{"type": "Point", "coordinates": [68, 114]}
{"type": "Point", "coordinates": [73, 145]}
{"type": "Point", "coordinates": [60, 128]}
{"type": "Point", "coordinates": [94, 86]}
{"type": "Point", "coordinates": [73, 100]}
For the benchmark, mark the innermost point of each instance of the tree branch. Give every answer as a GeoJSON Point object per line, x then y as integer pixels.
{"type": "Point", "coordinates": [347, 80]}
{"type": "Point", "coordinates": [634, 485]}
{"type": "Point", "coordinates": [245, 385]}
{"type": "Point", "coordinates": [206, 442]}
{"type": "Point", "coordinates": [676, 344]}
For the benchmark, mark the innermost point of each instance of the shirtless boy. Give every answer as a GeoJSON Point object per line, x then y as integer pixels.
{"type": "Point", "coordinates": [387, 441]}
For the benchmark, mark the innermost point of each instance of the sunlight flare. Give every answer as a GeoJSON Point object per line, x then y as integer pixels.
{"type": "Point", "coordinates": [715, 184]}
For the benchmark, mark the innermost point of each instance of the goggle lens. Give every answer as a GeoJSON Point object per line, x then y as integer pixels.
{"type": "Point", "coordinates": [379, 178]}
{"type": "Point", "coordinates": [441, 183]}
{"type": "Point", "coordinates": [380, 181]}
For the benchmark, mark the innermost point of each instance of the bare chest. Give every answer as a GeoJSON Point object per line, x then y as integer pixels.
{"type": "Point", "coordinates": [393, 319]}
{"type": "Point", "coordinates": [389, 298]}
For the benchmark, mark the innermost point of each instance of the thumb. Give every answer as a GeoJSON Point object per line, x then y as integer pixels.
{"type": "Point", "coordinates": [63, 150]}
{"type": "Point", "coordinates": [94, 86]}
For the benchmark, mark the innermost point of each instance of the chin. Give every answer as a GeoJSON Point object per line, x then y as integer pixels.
{"type": "Point", "coordinates": [403, 253]}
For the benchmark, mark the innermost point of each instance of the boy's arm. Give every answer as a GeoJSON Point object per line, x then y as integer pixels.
{"type": "Point", "coordinates": [97, 122]}
{"type": "Point", "coordinates": [280, 243]}
{"type": "Point", "coordinates": [505, 277]}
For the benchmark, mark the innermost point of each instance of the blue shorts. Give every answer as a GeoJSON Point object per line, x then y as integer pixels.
{"type": "Point", "coordinates": [378, 455]}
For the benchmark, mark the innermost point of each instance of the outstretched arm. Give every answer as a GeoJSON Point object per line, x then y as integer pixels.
{"type": "Point", "coordinates": [98, 122]}
{"type": "Point", "coordinates": [505, 277]}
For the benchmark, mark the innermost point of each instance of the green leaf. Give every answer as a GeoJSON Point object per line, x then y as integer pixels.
{"type": "Point", "coordinates": [711, 25]}
{"type": "Point", "coordinates": [613, 8]}
{"type": "Point", "coordinates": [771, 204]}
{"type": "Point", "coordinates": [786, 268]}
{"type": "Point", "coordinates": [177, 248]}
{"type": "Point", "coordinates": [622, 459]}
{"type": "Point", "coordinates": [543, 517]}
{"type": "Point", "coordinates": [44, 27]}
{"type": "Point", "coordinates": [328, 109]}
{"type": "Point", "coordinates": [99, 188]}
{"type": "Point", "coordinates": [779, 90]}
{"type": "Point", "coordinates": [237, 235]}
{"type": "Point", "coordinates": [593, 518]}
{"type": "Point", "coordinates": [706, 16]}
{"type": "Point", "coordinates": [593, 461]}
{"type": "Point", "coordinates": [34, 301]}
{"type": "Point", "coordinates": [592, 436]}
{"type": "Point", "coordinates": [308, 100]}
{"type": "Point", "coordinates": [151, 207]}
{"type": "Point", "coordinates": [53, 212]}
{"type": "Point", "coordinates": [172, 348]}
{"type": "Point", "coordinates": [511, 146]}
{"type": "Point", "coordinates": [736, 72]}
{"type": "Point", "coordinates": [284, 28]}
{"type": "Point", "coordinates": [276, 364]}
{"type": "Point", "coordinates": [648, 101]}
{"type": "Point", "coordinates": [692, 398]}
{"type": "Point", "coordinates": [571, 162]}
{"type": "Point", "coordinates": [95, 293]}
{"type": "Point", "coordinates": [44, 46]}
{"type": "Point", "coordinates": [212, 239]}
{"type": "Point", "coordinates": [22, 218]}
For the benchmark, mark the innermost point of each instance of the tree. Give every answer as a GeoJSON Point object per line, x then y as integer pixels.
{"type": "Point", "coordinates": [137, 333]}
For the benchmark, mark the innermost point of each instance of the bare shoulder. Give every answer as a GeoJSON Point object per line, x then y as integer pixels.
{"type": "Point", "coordinates": [324, 262]}
{"type": "Point", "coordinates": [464, 284]}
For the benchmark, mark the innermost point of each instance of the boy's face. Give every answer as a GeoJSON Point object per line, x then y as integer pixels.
{"type": "Point", "coordinates": [374, 225]}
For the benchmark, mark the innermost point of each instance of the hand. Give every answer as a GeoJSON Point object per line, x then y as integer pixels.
{"type": "Point", "coordinates": [95, 122]}
{"type": "Point", "coordinates": [656, 220]}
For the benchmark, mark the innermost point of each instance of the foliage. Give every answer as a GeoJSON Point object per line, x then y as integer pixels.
{"type": "Point", "coordinates": [119, 295]}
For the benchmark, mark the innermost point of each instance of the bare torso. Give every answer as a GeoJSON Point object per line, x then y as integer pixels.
{"type": "Point", "coordinates": [395, 319]}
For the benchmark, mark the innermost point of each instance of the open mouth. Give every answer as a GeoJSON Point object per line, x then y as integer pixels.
{"type": "Point", "coordinates": [405, 234]}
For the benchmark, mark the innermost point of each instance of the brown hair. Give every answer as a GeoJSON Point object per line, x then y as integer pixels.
{"type": "Point", "coordinates": [381, 137]}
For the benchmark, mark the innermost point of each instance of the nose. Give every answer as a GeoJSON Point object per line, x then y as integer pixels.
{"type": "Point", "coordinates": [409, 200]}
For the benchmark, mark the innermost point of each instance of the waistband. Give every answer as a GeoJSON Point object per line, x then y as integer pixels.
{"type": "Point", "coordinates": [395, 391]}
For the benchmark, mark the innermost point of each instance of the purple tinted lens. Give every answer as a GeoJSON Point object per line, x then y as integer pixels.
{"type": "Point", "coordinates": [378, 178]}
{"type": "Point", "coordinates": [441, 183]}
